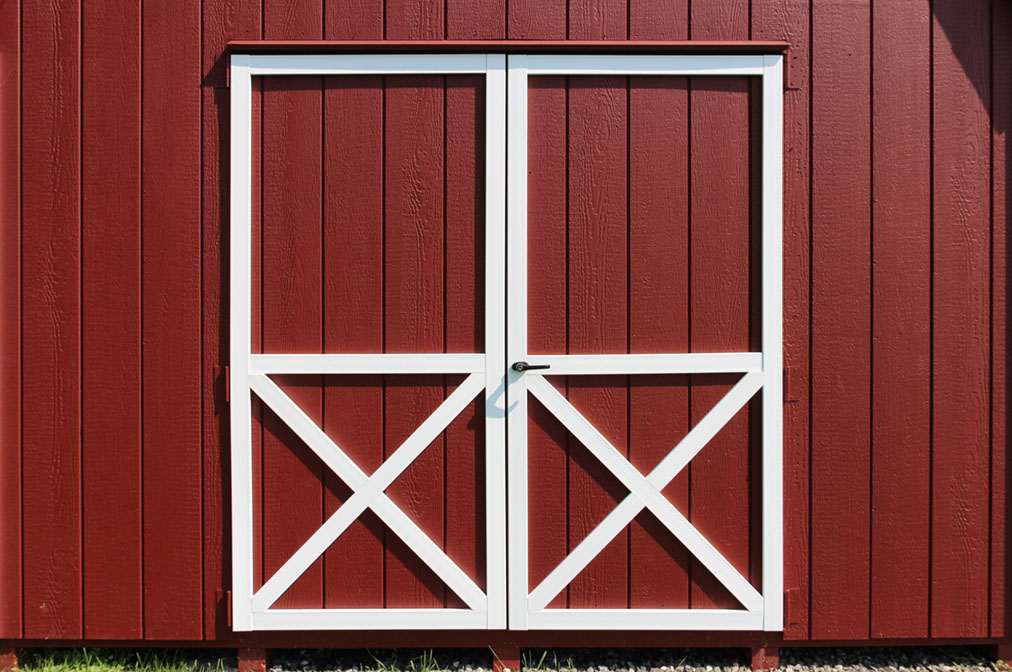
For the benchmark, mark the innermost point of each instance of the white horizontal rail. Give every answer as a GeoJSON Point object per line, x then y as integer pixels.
{"type": "Point", "coordinates": [659, 477]}
{"type": "Point", "coordinates": [694, 362]}
{"type": "Point", "coordinates": [645, 619]}
{"type": "Point", "coordinates": [368, 492]}
{"type": "Point", "coordinates": [369, 619]}
{"type": "Point", "coordinates": [437, 363]}
{"type": "Point", "coordinates": [385, 509]}
{"type": "Point", "coordinates": [644, 491]}
{"type": "Point", "coordinates": [366, 64]}
{"type": "Point", "coordinates": [566, 64]}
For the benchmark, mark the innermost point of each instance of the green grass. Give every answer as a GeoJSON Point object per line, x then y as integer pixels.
{"type": "Point", "coordinates": [120, 660]}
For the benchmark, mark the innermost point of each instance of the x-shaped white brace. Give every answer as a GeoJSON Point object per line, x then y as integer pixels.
{"type": "Point", "coordinates": [368, 492]}
{"type": "Point", "coordinates": [645, 492]}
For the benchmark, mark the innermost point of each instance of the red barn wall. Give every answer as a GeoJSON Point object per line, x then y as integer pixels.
{"type": "Point", "coordinates": [113, 198]}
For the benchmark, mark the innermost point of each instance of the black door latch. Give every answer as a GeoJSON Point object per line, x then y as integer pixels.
{"type": "Point", "coordinates": [520, 367]}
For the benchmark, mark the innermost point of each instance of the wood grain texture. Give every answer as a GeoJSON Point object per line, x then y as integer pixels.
{"type": "Point", "coordinates": [658, 322]}
{"type": "Point", "coordinates": [901, 321]}
{"type": "Point", "coordinates": [111, 322]}
{"type": "Point", "coordinates": [789, 20]}
{"type": "Point", "coordinates": [840, 321]}
{"type": "Point", "coordinates": [170, 327]}
{"type": "Point", "coordinates": [547, 470]}
{"type": "Point", "coordinates": [414, 317]}
{"type": "Point", "coordinates": [597, 317]}
{"type": "Point", "coordinates": [720, 308]}
{"type": "Point", "coordinates": [658, 298]}
{"type": "Point", "coordinates": [353, 320]}
{"type": "Point", "coordinates": [222, 20]}
{"type": "Point", "coordinates": [960, 320]}
{"type": "Point", "coordinates": [1001, 170]}
{"type": "Point", "coordinates": [537, 19]}
{"type": "Point", "coordinates": [476, 19]}
{"type": "Point", "coordinates": [10, 319]}
{"type": "Point", "coordinates": [50, 328]}
{"type": "Point", "coordinates": [464, 306]}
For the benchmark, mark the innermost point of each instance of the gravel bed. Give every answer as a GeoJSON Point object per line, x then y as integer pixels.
{"type": "Point", "coordinates": [875, 659]}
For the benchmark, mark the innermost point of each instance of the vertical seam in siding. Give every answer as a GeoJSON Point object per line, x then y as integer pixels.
{"type": "Point", "coordinates": [21, 297]}
{"type": "Point", "coordinates": [688, 292]}
{"type": "Point", "coordinates": [990, 321]}
{"type": "Point", "coordinates": [446, 92]}
{"type": "Point", "coordinates": [80, 311]}
{"type": "Point", "coordinates": [628, 303]}
{"type": "Point", "coordinates": [200, 293]}
{"type": "Point", "coordinates": [324, 475]}
{"type": "Point", "coordinates": [383, 282]}
{"type": "Point", "coordinates": [931, 322]}
{"type": "Point", "coordinates": [569, 438]}
{"type": "Point", "coordinates": [807, 628]}
{"type": "Point", "coordinates": [140, 304]}
{"type": "Point", "coordinates": [871, 311]}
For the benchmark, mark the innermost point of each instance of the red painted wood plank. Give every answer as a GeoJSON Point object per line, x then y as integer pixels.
{"type": "Point", "coordinates": [720, 258]}
{"type": "Point", "coordinates": [525, 18]}
{"type": "Point", "coordinates": [960, 319]}
{"type": "Point", "coordinates": [414, 315]}
{"type": "Point", "coordinates": [720, 305]}
{"type": "Point", "coordinates": [901, 327]}
{"type": "Point", "coordinates": [789, 20]}
{"type": "Point", "coordinates": [547, 464]}
{"type": "Point", "coordinates": [10, 319]}
{"type": "Point", "coordinates": [50, 329]}
{"type": "Point", "coordinates": [1001, 174]}
{"type": "Point", "coordinates": [658, 299]}
{"type": "Point", "coordinates": [353, 318]}
{"type": "Point", "coordinates": [598, 19]}
{"type": "Point", "coordinates": [537, 20]}
{"type": "Point", "coordinates": [361, 20]}
{"type": "Point", "coordinates": [658, 321]}
{"type": "Point", "coordinates": [111, 317]}
{"type": "Point", "coordinates": [475, 19]}
{"type": "Point", "coordinates": [171, 329]}
{"type": "Point", "coordinates": [465, 316]}
{"type": "Point", "coordinates": [840, 322]}
{"type": "Point", "coordinates": [414, 20]}
{"type": "Point", "coordinates": [222, 20]}
{"type": "Point", "coordinates": [597, 296]}
{"type": "Point", "coordinates": [293, 305]}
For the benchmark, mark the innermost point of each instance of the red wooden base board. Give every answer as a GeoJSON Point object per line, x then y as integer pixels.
{"type": "Point", "coordinates": [765, 657]}
{"type": "Point", "coordinates": [253, 660]}
{"type": "Point", "coordinates": [8, 660]}
{"type": "Point", "coordinates": [506, 657]}
{"type": "Point", "coordinates": [1002, 653]}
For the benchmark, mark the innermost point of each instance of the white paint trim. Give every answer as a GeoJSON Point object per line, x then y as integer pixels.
{"type": "Point", "coordinates": [646, 619]}
{"type": "Point", "coordinates": [345, 468]}
{"type": "Point", "coordinates": [495, 341]}
{"type": "Point", "coordinates": [240, 406]}
{"type": "Point", "coordinates": [772, 341]}
{"type": "Point", "coordinates": [366, 64]}
{"type": "Point", "coordinates": [581, 365]}
{"type": "Point", "coordinates": [659, 478]}
{"type": "Point", "coordinates": [437, 363]}
{"type": "Point", "coordinates": [369, 619]}
{"type": "Point", "coordinates": [516, 338]}
{"type": "Point", "coordinates": [641, 489]}
{"type": "Point", "coordinates": [368, 492]}
{"type": "Point", "coordinates": [612, 64]}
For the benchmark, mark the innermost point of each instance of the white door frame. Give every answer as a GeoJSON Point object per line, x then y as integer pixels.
{"type": "Point", "coordinates": [761, 370]}
{"type": "Point", "coordinates": [250, 374]}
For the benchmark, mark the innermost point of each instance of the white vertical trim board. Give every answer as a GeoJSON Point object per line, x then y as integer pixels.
{"type": "Point", "coordinates": [250, 373]}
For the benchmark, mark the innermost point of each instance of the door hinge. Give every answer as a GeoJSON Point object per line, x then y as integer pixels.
{"type": "Point", "coordinates": [790, 384]}
{"type": "Point", "coordinates": [224, 598]}
{"type": "Point", "coordinates": [222, 382]}
{"type": "Point", "coordinates": [790, 598]}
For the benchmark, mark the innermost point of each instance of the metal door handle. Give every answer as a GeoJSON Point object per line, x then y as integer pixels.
{"type": "Point", "coordinates": [520, 367]}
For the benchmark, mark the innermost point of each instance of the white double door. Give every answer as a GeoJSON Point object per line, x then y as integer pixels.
{"type": "Point", "coordinates": [508, 377]}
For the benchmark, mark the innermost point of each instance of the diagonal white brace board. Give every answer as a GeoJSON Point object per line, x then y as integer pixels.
{"type": "Point", "coordinates": [629, 508]}
{"type": "Point", "coordinates": [349, 472]}
{"type": "Point", "coordinates": [641, 489]}
{"type": "Point", "coordinates": [368, 492]}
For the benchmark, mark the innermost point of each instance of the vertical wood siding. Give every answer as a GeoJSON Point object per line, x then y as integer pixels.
{"type": "Point", "coordinates": [113, 193]}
